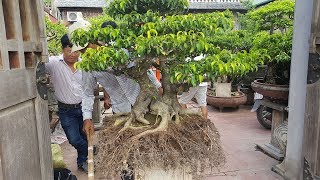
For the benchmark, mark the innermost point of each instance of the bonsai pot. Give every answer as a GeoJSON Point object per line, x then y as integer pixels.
{"type": "Point", "coordinates": [271, 91]}
{"type": "Point", "coordinates": [236, 99]}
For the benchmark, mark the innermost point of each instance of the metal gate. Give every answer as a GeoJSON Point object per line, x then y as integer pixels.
{"type": "Point", "coordinates": [25, 151]}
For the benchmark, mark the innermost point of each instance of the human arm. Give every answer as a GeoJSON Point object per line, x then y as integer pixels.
{"type": "Point", "coordinates": [89, 84]}
{"type": "Point", "coordinates": [50, 65]}
{"type": "Point", "coordinates": [107, 102]}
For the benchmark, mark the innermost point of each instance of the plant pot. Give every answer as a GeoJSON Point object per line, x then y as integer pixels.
{"type": "Point", "coordinates": [222, 102]}
{"type": "Point", "coordinates": [271, 91]}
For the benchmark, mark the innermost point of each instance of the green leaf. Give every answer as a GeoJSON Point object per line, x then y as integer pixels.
{"type": "Point", "coordinates": [221, 69]}
{"type": "Point", "coordinates": [193, 67]}
{"type": "Point", "coordinates": [171, 80]}
{"type": "Point", "coordinates": [200, 78]}
{"type": "Point", "coordinates": [193, 81]}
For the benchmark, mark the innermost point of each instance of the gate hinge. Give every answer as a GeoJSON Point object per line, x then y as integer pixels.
{"type": "Point", "coordinates": [307, 175]}
{"type": "Point", "coordinates": [42, 80]}
{"type": "Point", "coordinates": [313, 68]}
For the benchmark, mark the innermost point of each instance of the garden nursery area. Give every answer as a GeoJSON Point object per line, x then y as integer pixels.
{"type": "Point", "coordinates": [160, 90]}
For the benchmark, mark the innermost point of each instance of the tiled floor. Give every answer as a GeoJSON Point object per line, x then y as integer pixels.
{"type": "Point", "coordinates": [240, 131]}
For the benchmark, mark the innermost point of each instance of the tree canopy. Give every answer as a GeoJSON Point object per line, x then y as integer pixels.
{"type": "Point", "coordinates": [172, 39]}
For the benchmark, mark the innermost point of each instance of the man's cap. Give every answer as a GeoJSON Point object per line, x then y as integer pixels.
{"type": "Point", "coordinates": [81, 24]}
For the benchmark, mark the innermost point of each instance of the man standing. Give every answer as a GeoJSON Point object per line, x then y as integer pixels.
{"type": "Point", "coordinates": [67, 83]}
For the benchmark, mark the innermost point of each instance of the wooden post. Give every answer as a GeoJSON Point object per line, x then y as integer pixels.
{"type": "Point", "coordinates": [298, 87]}
{"type": "Point", "coordinates": [279, 115]}
{"type": "Point", "coordinates": [90, 157]}
{"type": "Point", "coordinates": [96, 113]}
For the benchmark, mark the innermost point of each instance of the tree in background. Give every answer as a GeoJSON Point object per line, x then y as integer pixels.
{"type": "Point", "coordinates": [47, 3]}
{"type": "Point", "coordinates": [54, 32]}
{"type": "Point", "coordinates": [272, 29]}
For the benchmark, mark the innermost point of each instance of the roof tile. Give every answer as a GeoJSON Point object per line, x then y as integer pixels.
{"type": "Point", "coordinates": [80, 3]}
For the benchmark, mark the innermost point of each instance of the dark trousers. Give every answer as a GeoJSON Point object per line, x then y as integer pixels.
{"type": "Point", "coordinates": [72, 123]}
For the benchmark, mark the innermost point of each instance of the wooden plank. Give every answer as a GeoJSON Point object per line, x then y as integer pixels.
{"type": "Point", "coordinates": [271, 151]}
{"type": "Point", "coordinates": [39, 36]}
{"type": "Point", "coordinates": [317, 137]}
{"type": "Point", "coordinates": [18, 137]}
{"type": "Point", "coordinates": [40, 18]}
{"type": "Point", "coordinates": [13, 31]}
{"type": "Point", "coordinates": [96, 113]}
{"type": "Point", "coordinates": [40, 22]}
{"type": "Point", "coordinates": [311, 123]}
{"type": "Point", "coordinates": [1, 174]}
{"type": "Point", "coordinates": [28, 46]}
{"type": "Point", "coordinates": [26, 19]}
{"type": "Point", "coordinates": [277, 106]}
{"type": "Point", "coordinates": [4, 57]}
{"type": "Point", "coordinates": [315, 30]}
{"type": "Point", "coordinates": [44, 133]}
{"type": "Point", "coordinates": [12, 44]}
{"type": "Point", "coordinates": [18, 30]}
{"type": "Point", "coordinates": [43, 127]}
{"type": "Point", "coordinates": [32, 47]}
{"type": "Point", "coordinates": [16, 86]}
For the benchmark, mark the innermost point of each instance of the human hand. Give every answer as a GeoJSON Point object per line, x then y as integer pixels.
{"type": "Point", "coordinates": [107, 103]}
{"type": "Point", "coordinates": [88, 127]}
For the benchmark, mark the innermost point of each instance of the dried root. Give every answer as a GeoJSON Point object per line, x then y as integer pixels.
{"type": "Point", "coordinates": [193, 144]}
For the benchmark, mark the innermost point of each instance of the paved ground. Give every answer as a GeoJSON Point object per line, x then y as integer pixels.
{"type": "Point", "coordinates": [240, 131]}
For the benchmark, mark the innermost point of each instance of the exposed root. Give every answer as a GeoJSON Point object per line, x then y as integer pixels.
{"type": "Point", "coordinates": [137, 127]}
{"type": "Point", "coordinates": [120, 120]}
{"type": "Point", "coordinates": [140, 118]}
{"type": "Point", "coordinates": [193, 145]}
{"type": "Point", "coordinates": [121, 114]}
{"type": "Point", "coordinates": [163, 111]}
{"type": "Point", "coordinates": [189, 112]}
{"type": "Point", "coordinates": [127, 124]}
{"type": "Point", "coordinates": [141, 108]}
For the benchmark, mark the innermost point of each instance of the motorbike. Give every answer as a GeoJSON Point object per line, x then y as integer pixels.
{"type": "Point", "coordinates": [264, 113]}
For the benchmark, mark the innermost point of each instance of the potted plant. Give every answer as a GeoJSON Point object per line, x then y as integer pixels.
{"type": "Point", "coordinates": [234, 66]}
{"type": "Point", "coordinates": [236, 45]}
{"type": "Point", "coordinates": [169, 138]}
{"type": "Point", "coordinates": [272, 25]}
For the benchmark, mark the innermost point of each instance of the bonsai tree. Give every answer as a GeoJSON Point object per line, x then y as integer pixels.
{"type": "Point", "coordinates": [236, 41]}
{"type": "Point", "coordinates": [158, 133]}
{"type": "Point", "coordinates": [273, 24]}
